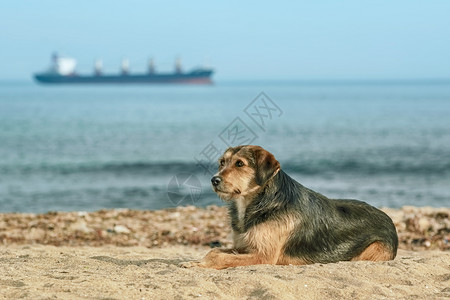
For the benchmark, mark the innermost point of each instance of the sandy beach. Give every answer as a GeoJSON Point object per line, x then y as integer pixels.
{"type": "Point", "coordinates": [125, 254]}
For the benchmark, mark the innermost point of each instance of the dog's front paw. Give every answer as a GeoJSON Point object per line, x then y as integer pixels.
{"type": "Point", "coordinates": [191, 264]}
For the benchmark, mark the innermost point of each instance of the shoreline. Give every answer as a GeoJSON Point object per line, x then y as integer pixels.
{"type": "Point", "coordinates": [419, 228]}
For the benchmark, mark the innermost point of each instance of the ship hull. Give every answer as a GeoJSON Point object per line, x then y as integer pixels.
{"type": "Point", "coordinates": [199, 77]}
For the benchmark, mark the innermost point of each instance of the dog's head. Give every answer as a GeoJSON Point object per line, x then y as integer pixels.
{"type": "Point", "coordinates": [243, 170]}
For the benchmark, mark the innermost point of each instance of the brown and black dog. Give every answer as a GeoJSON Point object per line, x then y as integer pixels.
{"type": "Point", "coordinates": [276, 220]}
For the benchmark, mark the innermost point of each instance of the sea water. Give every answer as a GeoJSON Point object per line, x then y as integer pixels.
{"type": "Point", "coordinates": [65, 148]}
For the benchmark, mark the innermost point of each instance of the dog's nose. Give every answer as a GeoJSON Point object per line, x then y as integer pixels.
{"type": "Point", "coordinates": [216, 180]}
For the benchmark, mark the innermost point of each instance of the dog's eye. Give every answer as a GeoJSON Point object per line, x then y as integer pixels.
{"type": "Point", "coordinates": [222, 162]}
{"type": "Point", "coordinates": [239, 163]}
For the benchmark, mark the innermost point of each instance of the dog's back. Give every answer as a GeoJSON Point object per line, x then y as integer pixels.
{"type": "Point", "coordinates": [336, 230]}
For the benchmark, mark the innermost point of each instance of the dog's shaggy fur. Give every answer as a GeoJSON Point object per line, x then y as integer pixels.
{"type": "Point", "coordinates": [276, 220]}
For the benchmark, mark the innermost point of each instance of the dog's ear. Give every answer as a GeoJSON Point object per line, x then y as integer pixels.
{"type": "Point", "coordinates": [266, 166]}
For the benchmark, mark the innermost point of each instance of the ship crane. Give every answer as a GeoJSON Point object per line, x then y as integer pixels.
{"type": "Point", "coordinates": [178, 68]}
{"type": "Point", "coordinates": [151, 66]}
{"type": "Point", "coordinates": [125, 66]}
{"type": "Point", "coordinates": [98, 67]}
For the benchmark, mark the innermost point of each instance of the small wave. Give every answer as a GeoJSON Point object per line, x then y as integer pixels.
{"type": "Point", "coordinates": [111, 167]}
{"type": "Point", "coordinates": [309, 167]}
{"type": "Point", "coordinates": [366, 167]}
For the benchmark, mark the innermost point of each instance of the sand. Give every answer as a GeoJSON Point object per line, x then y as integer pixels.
{"type": "Point", "coordinates": [109, 272]}
{"type": "Point", "coordinates": [124, 254]}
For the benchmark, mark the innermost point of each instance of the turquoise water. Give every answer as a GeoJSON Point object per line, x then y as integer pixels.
{"type": "Point", "coordinates": [86, 148]}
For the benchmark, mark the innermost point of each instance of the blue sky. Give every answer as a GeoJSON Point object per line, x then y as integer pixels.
{"type": "Point", "coordinates": [241, 39]}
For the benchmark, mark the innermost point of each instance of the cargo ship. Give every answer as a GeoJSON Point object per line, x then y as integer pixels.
{"type": "Point", "coordinates": [62, 71]}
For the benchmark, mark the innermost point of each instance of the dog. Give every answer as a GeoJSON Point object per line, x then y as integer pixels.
{"type": "Point", "coordinates": [276, 220]}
